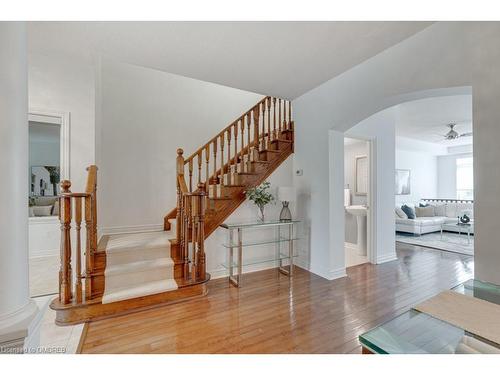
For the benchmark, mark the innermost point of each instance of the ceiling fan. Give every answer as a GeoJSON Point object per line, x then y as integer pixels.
{"type": "Point", "coordinates": [453, 134]}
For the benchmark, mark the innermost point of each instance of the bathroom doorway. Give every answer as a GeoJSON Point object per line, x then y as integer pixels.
{"type": "Point", "coordinates": [357, 186]}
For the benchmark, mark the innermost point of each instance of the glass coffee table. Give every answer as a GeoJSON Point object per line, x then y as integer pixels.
{"type": "Point", "coordinates": [460, 228]}
{"type": "Point", "coordinates": [414, 332]}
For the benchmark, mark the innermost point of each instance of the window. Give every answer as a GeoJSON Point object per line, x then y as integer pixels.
{"type": "Point", "coordinates": [465, 178]}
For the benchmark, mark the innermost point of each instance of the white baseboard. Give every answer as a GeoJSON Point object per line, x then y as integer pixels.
{"type": "Point", "coordinates": [131, 229]}
{"type": "Point", "coordinates": [222, 272]}
{"type": "Point", "coordinates": [328, 274]}
{"type": "Point", "coordinates": [386, 258]}
{"type": "Point", "coordinates": [351, 246]}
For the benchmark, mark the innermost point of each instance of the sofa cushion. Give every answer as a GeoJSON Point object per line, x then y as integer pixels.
{"type": "Point", "coordinates": [400, 213]}
{"type": "Point", "coordinates": [408, 211]}
{"type": "Point", "coordinates": [451, 210]}
{"type": "Point", "coordinates": [424, 211]}
{"type": "Point", "coordinates": [440, 209]}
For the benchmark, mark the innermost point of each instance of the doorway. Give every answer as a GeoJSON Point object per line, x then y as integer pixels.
{"type": "Point", "coordinates": [357, 197]}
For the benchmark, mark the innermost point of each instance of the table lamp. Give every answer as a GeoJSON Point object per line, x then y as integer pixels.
{"type": "Point", "coordinates": [286, 194]}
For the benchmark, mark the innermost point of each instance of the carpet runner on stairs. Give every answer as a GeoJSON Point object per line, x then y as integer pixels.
{"type": "Point", "coordinates": [137, 265]}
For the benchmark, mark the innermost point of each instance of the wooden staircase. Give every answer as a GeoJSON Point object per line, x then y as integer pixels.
{"type": "Point", "coordinates": [211, 184]}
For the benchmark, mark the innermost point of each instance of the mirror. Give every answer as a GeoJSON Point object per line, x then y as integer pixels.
{"type": "Point", "coordinates": [361, 175]}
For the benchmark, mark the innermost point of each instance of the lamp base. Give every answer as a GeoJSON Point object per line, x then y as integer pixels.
{"type": "Point", "coordinates": [285, 214]}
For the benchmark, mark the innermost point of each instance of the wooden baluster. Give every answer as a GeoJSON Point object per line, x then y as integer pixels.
{"type": "Point", "coordinates": [263, 135]}
{"type": "Point", "coordinates": [269, 133]}
{"type": "Point", "coordinates": [289, 115]}
{"type": "Point", "coordinates": [215, 169]}
{"type": "Point", "coordinates": [207, 173]}
{"type": "Point", "coordinates": [78, 262]}
{"type": "Point", "coordinates": [249, 145]}
{"type": "Point", "coordinates": [256, 133]}
{"type": "Point", "coordinates": [199, 156]}
{"type": "Point", "coordinates": [242, 128]}
{"type": "Point", "coordinates": [279, 118]}
{"type": "Point", "coordinates": [284, 114]}
{"type": "Point", "coordinates": [274, 118]}
{"type": "Point", "coordinates": [179, 162]}
{"type": "Point", "coordinates": [65, 268]}
{"type": "Point", "coordinates": [229, 156]}
{"type": "Point", "coordinates": [222, 165]}
{"type": "Point", "coordinates": [88, 247]}
{"type": "Point", "coordinates": [187, 213]}
{"type": "Point", "coordinates": [201, 235]}
{"type": "Point", "coordinates": [194, 227]}
{"type": "Point", "coordinates": [190, 175]}
{"type": "Point", "coordinates": [235, 170]}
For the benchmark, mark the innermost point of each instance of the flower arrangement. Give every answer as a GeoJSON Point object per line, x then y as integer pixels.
{"type": "Point", "coordinates": [260, 196]}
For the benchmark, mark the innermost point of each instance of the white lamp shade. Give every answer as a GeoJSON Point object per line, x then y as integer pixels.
{"type": "Point", "coordinates": [286, 194]}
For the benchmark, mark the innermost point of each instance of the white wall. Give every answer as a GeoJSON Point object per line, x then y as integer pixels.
{"type": "Point", "coordinates": [447, 175]}
{"type": "Point", "coordinates": [451, 55]}
{"type": "Point", "coordinates": [423, 175]}
{"type": "Point", "coordinates": [350, 153]}
{"type": "Point", "coordinates": [145, 116]}
{"type": "Point", "coordinates": [63, 85]}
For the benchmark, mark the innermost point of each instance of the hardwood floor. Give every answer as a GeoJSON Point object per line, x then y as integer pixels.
{"type": "Point", "coordinates": [269, 314]}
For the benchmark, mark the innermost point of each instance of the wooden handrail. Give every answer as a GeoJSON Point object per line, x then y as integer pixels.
{"type": "Point", "coordinates": [77, 207]}
{"type": "Point", "coordinates": [223, 131]}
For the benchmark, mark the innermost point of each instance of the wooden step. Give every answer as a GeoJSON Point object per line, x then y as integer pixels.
{"type": "Point", "coordinates": [95, 310]}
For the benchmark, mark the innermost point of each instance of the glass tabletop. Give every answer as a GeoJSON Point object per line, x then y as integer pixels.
{"type": "Point", "coordinates": [258, 224]}
{"type": "Point", "coordinates": [460, 226]}
{"type": "Point", "coordinates": [414, 332]}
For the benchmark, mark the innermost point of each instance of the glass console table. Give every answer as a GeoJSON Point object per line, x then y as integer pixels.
{"type": "Point", "coordinates": [414, 332]}
{"type": "Point", "coordinates": [284, 235]}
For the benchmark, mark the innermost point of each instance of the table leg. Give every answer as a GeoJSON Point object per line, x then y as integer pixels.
{"type": "Point", "coordinates": [290, 248]}
{"type": "Point", "coordinates": [240, 255]}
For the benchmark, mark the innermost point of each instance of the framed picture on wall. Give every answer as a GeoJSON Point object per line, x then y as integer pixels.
{"type": "Point", "coordinates": [403, 182]}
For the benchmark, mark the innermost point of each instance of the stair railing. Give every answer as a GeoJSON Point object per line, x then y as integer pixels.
{"type": "Point", "coordinates": [217, 165]}
{"type": "Point", "coordinates": [73, 208]}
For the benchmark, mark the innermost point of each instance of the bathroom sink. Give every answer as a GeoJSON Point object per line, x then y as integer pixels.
{"type": "Point", "coordinates": [357, 210]}
{"type": "Point", "coordinates": [360, 212]}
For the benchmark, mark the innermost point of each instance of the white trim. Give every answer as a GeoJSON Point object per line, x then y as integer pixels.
{"type": "Point", "coordinates": [329, 274]}
{"type": "Point", "coordinates": [351, 246]}
{"type": "Point", "coordinates": [43, 220]}
{"type": "Point", "coordinates": [49, 116]}
{"type": "Point", "coordinates": [131, 229]}
{"type": "Point", "coordinates": [386, 258]}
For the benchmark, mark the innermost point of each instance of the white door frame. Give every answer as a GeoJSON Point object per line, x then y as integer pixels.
{"type": "Point", "coordinates": [371, 226]}
{"type": "Point", "coordinates": [59, 118]}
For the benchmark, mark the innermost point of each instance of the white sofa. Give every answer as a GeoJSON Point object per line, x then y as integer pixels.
{"type": "Point", "coordinates": [446, 212]}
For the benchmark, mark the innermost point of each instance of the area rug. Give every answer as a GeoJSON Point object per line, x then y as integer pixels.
{"type": "Point", "coordinates": [453, 242]}
{"type": "Point", "coordinates": [472, 314]}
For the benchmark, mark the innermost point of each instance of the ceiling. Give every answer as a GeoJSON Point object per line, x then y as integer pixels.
{"type": "Point", "coordinates": [284, 59]}
{"type": "Point", "coordinates": [426, 119]}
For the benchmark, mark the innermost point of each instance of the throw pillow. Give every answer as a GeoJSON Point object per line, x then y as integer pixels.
{"type": "Point", "coordinates": [408, 211]}
{"type": "Point", "coordinates": [400, 213]}
{"type": "Point", "coordinates": [424, 211]}
{"type": "Point", "coordinates": [440, 210]}
{"type": "Point", "coordinates": [42, 210]}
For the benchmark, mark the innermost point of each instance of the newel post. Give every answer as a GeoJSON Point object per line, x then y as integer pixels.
{"type": "Point", "coordinates": [201, 262]}
{"type": "Point", "coordinates": [65, 268]}
{"type": "Point", "coordinates": [179, 162]}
